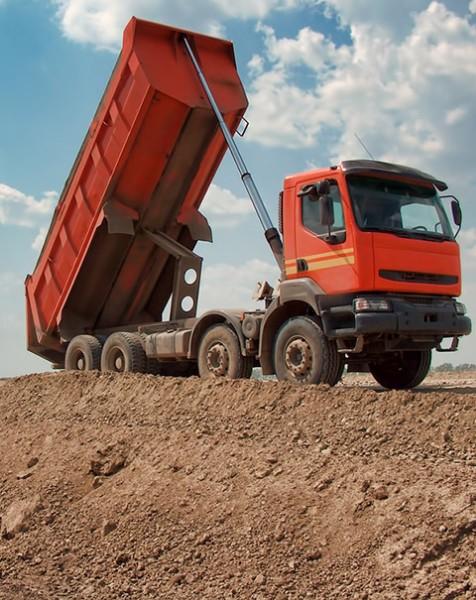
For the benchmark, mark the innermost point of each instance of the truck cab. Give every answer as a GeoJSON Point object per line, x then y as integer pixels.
{"type": "Point", "coordinates": [373, 243]}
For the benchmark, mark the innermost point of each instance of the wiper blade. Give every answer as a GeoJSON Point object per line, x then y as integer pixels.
{"type": "Point", "coordinates": [428, 235]}
{"type": "Point", "coordinates": [400, 232]}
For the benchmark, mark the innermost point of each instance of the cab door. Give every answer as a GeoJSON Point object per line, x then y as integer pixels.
{"type": "Point", "coordinates": [325, 253]}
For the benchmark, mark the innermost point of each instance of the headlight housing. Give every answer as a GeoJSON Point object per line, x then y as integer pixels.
{"type": "Point", "coordinates": [460, 308]}
{"type": "Point", "coordinates": [372, 305]}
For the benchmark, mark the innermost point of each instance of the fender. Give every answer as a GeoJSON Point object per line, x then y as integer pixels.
{"type": "Point", "coordinates": [232, 317]}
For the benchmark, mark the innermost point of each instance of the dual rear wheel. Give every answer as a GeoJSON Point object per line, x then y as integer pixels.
{"type": "Point", "coordinates": [122, 352]}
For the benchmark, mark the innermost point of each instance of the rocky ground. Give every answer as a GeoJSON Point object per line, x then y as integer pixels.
{"type": "Point", "coordinates": [128, 486]}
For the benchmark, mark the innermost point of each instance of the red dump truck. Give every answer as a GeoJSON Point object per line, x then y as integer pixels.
{"type": "Point", "coordinates": [370, 268]}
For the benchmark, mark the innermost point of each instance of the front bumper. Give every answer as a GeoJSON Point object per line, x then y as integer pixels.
{"type": "Point", "coordinates": [437, 318]}
{"type": "Point", "coordinates": [410, 318]}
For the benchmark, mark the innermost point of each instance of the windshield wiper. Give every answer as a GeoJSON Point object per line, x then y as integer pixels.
{"type": "Point", "coordinates": [428, 235]}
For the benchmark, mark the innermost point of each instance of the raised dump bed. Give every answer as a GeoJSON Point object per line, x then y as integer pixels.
{"type": "Point", "coordinates": [129, 209]}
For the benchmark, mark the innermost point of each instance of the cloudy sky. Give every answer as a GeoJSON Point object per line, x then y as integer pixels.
{"type": "Point", "coordinates": [401, 75]}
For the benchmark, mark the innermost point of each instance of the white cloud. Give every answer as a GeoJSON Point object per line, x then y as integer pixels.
{"type": "Point", "coordinates": [17, 208]}
{"type": "Point", "coordinates": [23, 210]}
{"type": "Point", "coordinates": [456, 115]}
{"type": "Point", "coordinates": [472, 6]}
{"type": "Point", "coordinates": [100, 22]}
{"type": "Point", "coordinates": [223, 209]}
{"type": "Point", "coordinates": [40, 239]}
{"type": "Point", "coordinates": [411, 99]}
{"type": "Point", "coordinates": [214, 294]}
{"type": "Point", "coordinates": [256, 65]}
{"type": "Point", "coordinates": [394, 17]}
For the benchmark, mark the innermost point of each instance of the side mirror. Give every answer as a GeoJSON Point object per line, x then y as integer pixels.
{"type": "Point", "coordinates": [457, 214]}
{"type": "Point", "coordinates": [316, 191]}
{"type": "Point", "coordinates": [326, 210]}
{"type": "Point", "coordinates": [311, 191]}
{"type": "Point", "coordinates": [324, 187]}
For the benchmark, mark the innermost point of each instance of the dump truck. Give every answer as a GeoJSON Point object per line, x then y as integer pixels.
{"type": "Point", "coordinates": [370, 268]}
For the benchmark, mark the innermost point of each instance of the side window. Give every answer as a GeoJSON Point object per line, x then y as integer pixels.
{"type": "Point", "coordinates": [311, 210]}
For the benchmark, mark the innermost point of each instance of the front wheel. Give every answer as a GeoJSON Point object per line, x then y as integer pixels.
{"type": "Point", "coordinates": [302, 353]}
{"type": "Point", "coordinates": [402, 370]}
{"type": "Point", "coordinates": [219, 355]}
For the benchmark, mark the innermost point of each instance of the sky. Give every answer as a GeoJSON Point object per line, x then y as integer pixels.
{"type": "Point", "coordinates": [400, 75]}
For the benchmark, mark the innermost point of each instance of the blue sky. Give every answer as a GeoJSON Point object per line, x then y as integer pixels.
{"type": "Point", "coordinates": [402, 75]}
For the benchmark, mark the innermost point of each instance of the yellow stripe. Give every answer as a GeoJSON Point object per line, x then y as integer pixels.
{"type": "Point", "coordinates": [323, 264]}
{"type": "Point", "coordinates": [313, 257]}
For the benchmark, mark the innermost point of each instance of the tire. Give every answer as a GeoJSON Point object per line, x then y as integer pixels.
{"type": "Point", "coordinates": [402, 371]}
{"type": "Point", "coordinates": [336, 364]}
{"type": "Point", "coordinates": [302, 352]}
{"type": "Point", "coordinates": [219, 354]}
{"type": "Point", "coordinates": [83, 354]}
{"type": "Point", "coordinates": [124, 353]}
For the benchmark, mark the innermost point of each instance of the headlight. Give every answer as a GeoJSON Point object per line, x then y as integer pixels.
{"type": "Point", "coordinates": [460, 308]}
{"type": "Point", "coordinates": [372, 305]}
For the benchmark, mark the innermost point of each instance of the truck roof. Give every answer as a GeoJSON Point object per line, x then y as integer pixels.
{"type": "Point", "coordinates": [145, 165]}
{"type": "Point", "coordinates": [369, 166]}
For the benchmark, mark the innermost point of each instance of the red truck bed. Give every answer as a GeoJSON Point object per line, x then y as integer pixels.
{"type": "Point", "coordinates": [146, 163]}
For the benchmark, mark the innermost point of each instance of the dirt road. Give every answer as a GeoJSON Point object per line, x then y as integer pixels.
{"type": "Point", "coordinates": [140, 487]}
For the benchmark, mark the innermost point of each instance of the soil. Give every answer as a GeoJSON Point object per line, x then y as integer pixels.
{"type": "Point", "coordinates": [133, 486]}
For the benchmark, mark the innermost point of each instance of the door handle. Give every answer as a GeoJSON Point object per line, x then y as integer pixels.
{"type": "Point", "coordinates": [302, 265]}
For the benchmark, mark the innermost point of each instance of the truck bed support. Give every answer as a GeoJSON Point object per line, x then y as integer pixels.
{"type": "Point", "coordinates": [271, 233]}
{"type": "Point", "coordinates": [184, 289]}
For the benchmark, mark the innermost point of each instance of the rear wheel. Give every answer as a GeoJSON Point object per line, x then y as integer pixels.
{"type": "Point", "coordinates": [302, 353]}
{"type": "Point", "coordinates": [83, 354]}
{"type": "Point", "coordinates": [123, 352]}
{"type": "Point", "coordinates": [402, 370]}
{"type": "Point", "coordinates": [219, 355]}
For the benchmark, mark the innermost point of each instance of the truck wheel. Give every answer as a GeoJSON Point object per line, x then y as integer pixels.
{"type": "Point", "coordinates": [219, 354]}
{"type": "Point", "coordinates": [402, 371]}
{"type": "Point", "coordinates": [124, 353]}
{"type": "Point", "coordinates": [83, 354]}
{"type": "Point", "coordinates": [336, 364]}
{"type": "Point", "coordinates": [301, 352]}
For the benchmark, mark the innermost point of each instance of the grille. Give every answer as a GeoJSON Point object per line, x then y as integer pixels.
{"type": "Point", "coordinates": [415, 277]}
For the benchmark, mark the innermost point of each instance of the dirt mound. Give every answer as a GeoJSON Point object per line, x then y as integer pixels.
{"type": "Point", "coordinates": [139, 487]}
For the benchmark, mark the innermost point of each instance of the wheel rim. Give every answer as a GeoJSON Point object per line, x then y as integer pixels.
{"type": "Point", "coordinates": [218, 360]}
{"type": "Point", "coordinates": [118, 362]}
{"type": "Point", "coordinates": [298, 358]}
{"type": "Point", "coordinates": [79, 361]}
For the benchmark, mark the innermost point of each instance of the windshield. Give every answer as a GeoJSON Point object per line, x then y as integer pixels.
{"type": "Point", "coordinates": [402, 208]}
